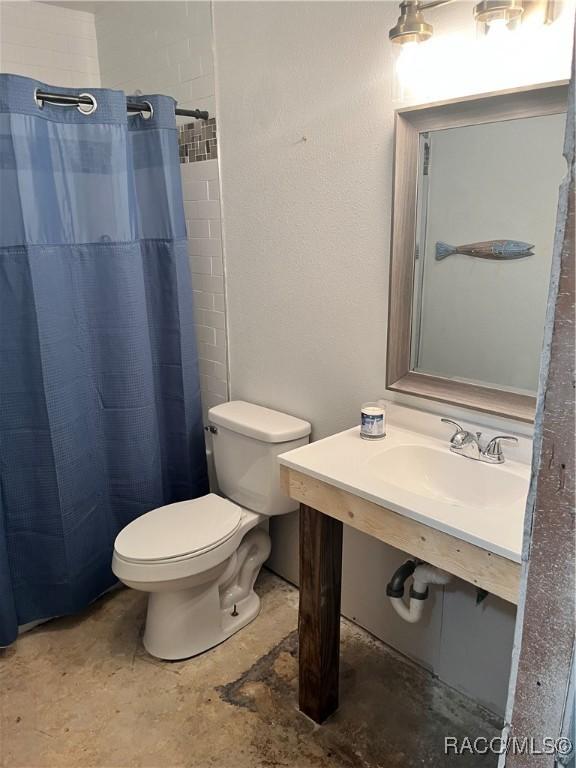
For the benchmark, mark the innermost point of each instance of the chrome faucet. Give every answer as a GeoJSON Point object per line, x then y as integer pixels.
{"type": "Point", "coordinates": [468, 444]}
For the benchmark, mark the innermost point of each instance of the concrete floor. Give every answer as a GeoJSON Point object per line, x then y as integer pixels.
{"type": "Point", "coordinates": [81, 692]}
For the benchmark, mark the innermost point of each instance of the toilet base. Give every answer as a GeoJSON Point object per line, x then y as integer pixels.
{"type": "Point", "coordinates": [173, 635]}
{"type": "Point", "coordinates": [182, 623]}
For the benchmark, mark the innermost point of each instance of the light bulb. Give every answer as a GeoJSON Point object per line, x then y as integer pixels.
{"type": "Point", "coordinates": [497, 27]}
{"type": "Point", "coordinates": [408, 49]}
{"type": "Point", "coordinates": [407, 63]}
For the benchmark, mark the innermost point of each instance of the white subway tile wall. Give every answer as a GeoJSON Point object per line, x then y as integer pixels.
{"type": "Point", "coordinates": [158, 47]}
{"type": "Point", "coordinates": [205, 251]}
{"type": "Point", "coordinates": [49, 43]}
{"type": "Point", "coordinates": [143, 47]}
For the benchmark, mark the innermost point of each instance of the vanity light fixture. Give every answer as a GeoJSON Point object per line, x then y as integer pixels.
{"type": "Point", "coordinates": [411, 26]}
{"type": "Point", "coordinates": [498, 12]}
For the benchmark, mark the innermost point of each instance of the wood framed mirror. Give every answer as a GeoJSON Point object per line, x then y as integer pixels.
{"type": "Point", "coordinates": [475, 196]}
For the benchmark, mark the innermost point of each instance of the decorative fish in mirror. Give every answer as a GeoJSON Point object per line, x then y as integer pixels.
{"type": "Point", "coordinates": [489, 249]}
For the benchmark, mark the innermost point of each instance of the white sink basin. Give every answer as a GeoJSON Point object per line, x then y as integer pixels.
{"type": "Point", "coordinates": [446, 477]}
{"type": "Point", "coordinates": [413, 472]}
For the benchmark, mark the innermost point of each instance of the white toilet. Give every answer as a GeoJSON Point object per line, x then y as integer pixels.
{"type": "Point", "coordinates": [199, 559]}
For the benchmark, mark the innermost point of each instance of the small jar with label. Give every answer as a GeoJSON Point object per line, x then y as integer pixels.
{"type": "Point", "coordinates": [373, 421]}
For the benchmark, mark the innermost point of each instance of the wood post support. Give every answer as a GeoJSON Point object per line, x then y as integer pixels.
{"type": "Point", "coordinates": [319, 618]}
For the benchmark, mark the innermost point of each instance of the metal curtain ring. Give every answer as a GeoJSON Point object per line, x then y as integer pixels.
{"type": "Point", "coordinates": [150, 113]}
{"type": "Point", "coordinates": [88, 109]}
{"type": "Point", "coordinates": [39, 102]}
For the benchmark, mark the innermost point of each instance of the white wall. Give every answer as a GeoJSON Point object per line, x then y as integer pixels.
{"type": "Point", "coordinates": [166, 47]}
{"type": "Point", "coordinates": [52, 44]}
{"type": "Point", "coordinates": [305, 95]}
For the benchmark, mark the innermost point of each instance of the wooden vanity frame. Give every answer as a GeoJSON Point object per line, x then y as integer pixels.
{"type": "Point", "coordinates": [531, 101]}
{"type": "Point", "coordinates": [324, 509]}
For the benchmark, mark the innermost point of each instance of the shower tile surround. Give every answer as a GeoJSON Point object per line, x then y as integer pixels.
{"type": "Point", "coordinates": [201, 190]}
{"type": "Point", "coordinates": [198, 141]}
{"type": "Point", "coordinates": [198, 145]}
{"type": "Point", "coordinates": [52, 44]}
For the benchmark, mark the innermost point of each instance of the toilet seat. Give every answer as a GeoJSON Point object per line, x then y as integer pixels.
{"type": "Point", "coordinates": [179, 531]}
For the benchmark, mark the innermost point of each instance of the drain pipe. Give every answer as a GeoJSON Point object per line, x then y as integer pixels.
{"type": "Point", "coordinates": [423, 574]}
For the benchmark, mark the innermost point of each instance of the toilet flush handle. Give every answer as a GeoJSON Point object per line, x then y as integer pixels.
{"type": "Point", "coordinates": [209, 428]}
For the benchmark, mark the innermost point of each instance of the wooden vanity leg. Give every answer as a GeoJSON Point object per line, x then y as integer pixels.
{"type": "Point", "coordinates": [319, 618]}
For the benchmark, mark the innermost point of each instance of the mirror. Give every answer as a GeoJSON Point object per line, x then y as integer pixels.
{"type": "Point", "coordinates": [487, 198]}
{"type": "Point", "coordinates": [475, 198]}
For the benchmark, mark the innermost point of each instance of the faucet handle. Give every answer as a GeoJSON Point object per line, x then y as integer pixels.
{"type": "Point", "coordinates": [454, 424]}
{"type": "Point", "coordinates": [460, 437]}
{"type": "Point", "coordinates": [494, 447]}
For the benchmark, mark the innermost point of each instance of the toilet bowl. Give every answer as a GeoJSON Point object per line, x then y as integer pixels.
{"type": "Point", "coordinates": [199, 559]}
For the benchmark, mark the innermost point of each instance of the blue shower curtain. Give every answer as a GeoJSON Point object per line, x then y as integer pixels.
{"type": "Point", "coordinates": [100, 415]}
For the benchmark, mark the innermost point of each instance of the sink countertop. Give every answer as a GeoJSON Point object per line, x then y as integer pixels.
{"type": "Point", "coordinates": [359, 466]}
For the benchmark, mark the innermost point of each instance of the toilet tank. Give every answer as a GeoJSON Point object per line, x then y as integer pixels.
{"type": "Point", "coordinates": [247, 440]}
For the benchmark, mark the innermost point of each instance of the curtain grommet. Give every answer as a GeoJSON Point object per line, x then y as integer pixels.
{"type": "Point", "coordinates": [150, 113]}
{"type": "Point", "coordinates": [39, 102]}
{"type": "Point", "coordinates": [87, 109]}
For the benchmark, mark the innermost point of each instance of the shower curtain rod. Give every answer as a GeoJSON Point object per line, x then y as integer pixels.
{"type": "Point", "coordinates": [66, 99]}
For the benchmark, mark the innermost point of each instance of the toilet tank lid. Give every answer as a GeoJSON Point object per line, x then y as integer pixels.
{"type": "Point", "coordinates": [258, 422]}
